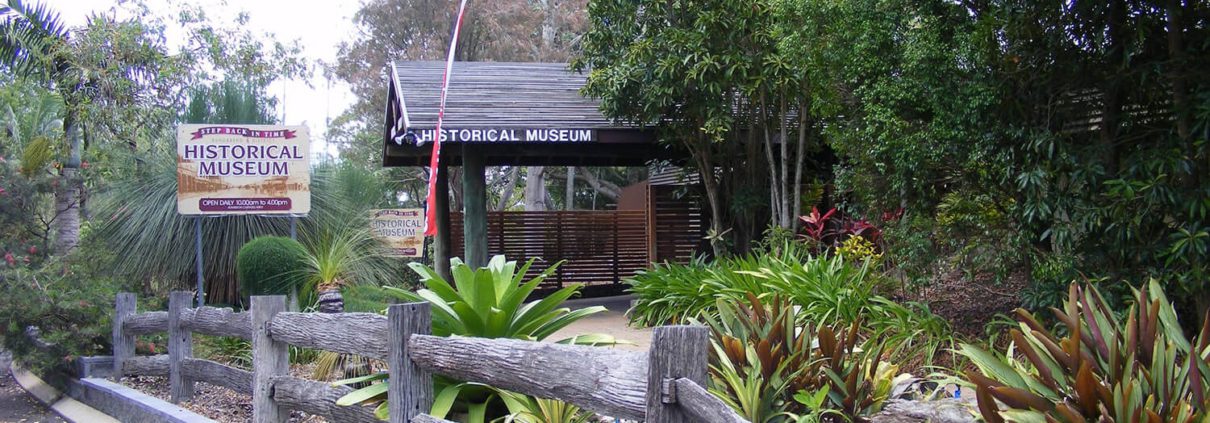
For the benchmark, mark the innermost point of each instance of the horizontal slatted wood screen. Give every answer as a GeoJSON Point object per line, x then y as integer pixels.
{"type": "Point", "coordinates": [599, 247]}
{"type": "Point", "coordinates": [677, 227]}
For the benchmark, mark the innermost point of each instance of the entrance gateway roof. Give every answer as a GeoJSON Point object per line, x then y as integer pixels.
{"type": "Point", "coordinates": [514, 113]}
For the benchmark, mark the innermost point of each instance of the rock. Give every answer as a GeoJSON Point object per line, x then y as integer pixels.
{"type": "Point", "coordinates": [937, 411]}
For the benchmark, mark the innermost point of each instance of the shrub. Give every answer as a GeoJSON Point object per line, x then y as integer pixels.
{"type": "Point", "coordinates": [270, 265]}
{"type": "Point", "coordinates": [829, 291]}
{"type": "Point", "coordinates": [1108, 367]}
{"type": "Point", "coordinates": [71, 309]}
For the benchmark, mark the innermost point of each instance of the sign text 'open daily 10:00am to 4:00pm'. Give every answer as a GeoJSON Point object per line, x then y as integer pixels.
{"type": "Point", "coordinates": [243, 169]}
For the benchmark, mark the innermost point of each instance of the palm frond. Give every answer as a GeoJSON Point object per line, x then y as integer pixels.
{"type": "Point", "coordinates": [29, 35]}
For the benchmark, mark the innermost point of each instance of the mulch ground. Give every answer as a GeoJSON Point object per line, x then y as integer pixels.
{"type": "Point", "coordinates": [215, 402]}
{"type": "Point", "coordinates": [969, 304]}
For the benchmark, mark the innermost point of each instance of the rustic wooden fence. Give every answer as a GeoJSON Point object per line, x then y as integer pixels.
{"type": "Point", "coordinates": [665, 384]}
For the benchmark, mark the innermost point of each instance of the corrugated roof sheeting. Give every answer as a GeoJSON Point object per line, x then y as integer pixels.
{"type": "Point", "coordinates": [497, 94]}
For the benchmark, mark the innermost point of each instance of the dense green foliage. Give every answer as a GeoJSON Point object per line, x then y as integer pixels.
{"type": "Point", "coordinates": [1106, 367]}
{"type": "Point", "coordinates": [1021, 139]}
{"type": "Point", "coordinates": [269, 265]}
{"type": "Point", "coordinates": [829, 291]}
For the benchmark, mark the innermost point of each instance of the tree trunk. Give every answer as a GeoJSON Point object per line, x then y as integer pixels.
{"type": "Point", "coordinates": [331, 300]}
{"type": "Point", "coordinates": [1111, 91]}
{"type": "Point", "coordinates": [535, 188]}
{"type": "Point", "coordinates": [506, 198]}
{"type": "Point", "coordinates": [569, 202]}
{"type": "Point", "coordinates": [602, 187]}
{"type": "Point", "coordinates": [774, 209]}
{"type": "Point", "coordinates": [800, 154]}
{"type": "Point", "coordinates": [67, 201]}
{"type": "Point", "coordinates": [705, 165]}
{"type": "Point", "coordinates": [1180, 93]}
{"type": "Point", "coordinates": [548, 26]}
{"type": "Point", "coordinates": [784, 182]}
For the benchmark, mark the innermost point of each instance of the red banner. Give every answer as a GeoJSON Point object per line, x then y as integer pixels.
{"type": "Point", "coordinates": [430, 219]}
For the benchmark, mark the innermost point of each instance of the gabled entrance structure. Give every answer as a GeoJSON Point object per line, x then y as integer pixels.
{"type": "Point", "coordinates": [532, 114]}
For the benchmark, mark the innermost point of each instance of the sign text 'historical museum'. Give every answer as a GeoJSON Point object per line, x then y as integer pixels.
{"type": "Point", "coordinates": [243, 169]}
{"type": "Point", "coordinates": [400, 231]}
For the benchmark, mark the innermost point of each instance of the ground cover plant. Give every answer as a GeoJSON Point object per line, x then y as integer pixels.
{"type": "Point", "coordinates": [1101, 365]}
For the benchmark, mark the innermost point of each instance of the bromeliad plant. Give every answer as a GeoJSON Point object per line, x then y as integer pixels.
{"type": "Point", "coordinates": [770, 367]}
{"type": "Point", "coordinates": [488, 302]}
{"type": "Point", "coordinates": [1142, 369]}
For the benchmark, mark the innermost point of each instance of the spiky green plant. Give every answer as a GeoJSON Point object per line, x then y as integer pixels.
{"type": "Point", "coordinates": [527, 409]}
{"type": "Point", "coordinates": [488, 302]}
{"type": "Point", "coordinates": [1140, 369]}
{"type": "Point", "coordinates": [767, 361]}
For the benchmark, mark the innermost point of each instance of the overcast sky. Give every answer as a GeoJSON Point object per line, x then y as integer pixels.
{"type": "Point", "coordinates": [319, 26]}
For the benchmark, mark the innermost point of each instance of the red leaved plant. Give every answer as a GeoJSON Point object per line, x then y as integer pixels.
{"type": "Point", "coordinates": [1104, 369]}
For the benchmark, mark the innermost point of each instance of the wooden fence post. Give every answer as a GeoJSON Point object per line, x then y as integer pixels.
{"type": "Point", "coordinates": [180, 347]}
{"type": "Point", "coordinates": [123, 343]}
{"type": "Point", "coordinates": [270, 359]}
{"type": "Point", "coordinates": [676, 352]}
{"type": "Point", "coordinates": [410, 390]}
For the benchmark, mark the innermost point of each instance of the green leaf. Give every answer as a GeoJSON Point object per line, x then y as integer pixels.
{"type": "Point", "coordinates": [444, 400]}
{"type": "Point", "coordinates": [364, 394]}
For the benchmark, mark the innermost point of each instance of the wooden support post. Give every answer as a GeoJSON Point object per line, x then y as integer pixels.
{"type": "Point", "coordinates": [410, 390]}
{"type": "Point", "coordinates": [441, 244]}
{"type": "Point", "coordinates": [180, 347]}
{"type": "Point", "coordinates": [270, 359]}
{"type": "Point", "coordinates": [123, 343]}
{"type": "Point", "coordinates": [677, 352]}
{"type": "Point", "coordinates": [474, 199]}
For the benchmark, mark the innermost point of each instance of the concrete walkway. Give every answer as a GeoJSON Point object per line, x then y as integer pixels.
{"type": "Point", "coordinates": [16, 405]}
{"type": "Point", "coordinates": [610, 322]}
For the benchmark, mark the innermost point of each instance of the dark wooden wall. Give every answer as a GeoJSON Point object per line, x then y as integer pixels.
{"type": "Point", "coordinates": [598, 247]}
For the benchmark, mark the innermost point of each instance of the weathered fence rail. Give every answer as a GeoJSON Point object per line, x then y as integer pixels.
{"type": "Point", "coordinates": [663, 385]}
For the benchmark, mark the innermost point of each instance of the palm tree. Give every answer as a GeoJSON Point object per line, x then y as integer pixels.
{"type": "Point", "coordinates": [32, 44]}
{"type": "Point", "coordinates": [31, 118]}
{"type": "Point", "coordinates": [35, 44]}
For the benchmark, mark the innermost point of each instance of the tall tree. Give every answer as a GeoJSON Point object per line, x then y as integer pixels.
{"type": "Point", "coordinates": [106, 65]}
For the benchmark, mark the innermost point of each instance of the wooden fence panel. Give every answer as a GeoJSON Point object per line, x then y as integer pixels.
{"type": "Point", "coordinates": [604, 380]}
{"type": "Point", "coordinates": [597, 247]}
{"type": "Point", "coordinates": [664, 385]}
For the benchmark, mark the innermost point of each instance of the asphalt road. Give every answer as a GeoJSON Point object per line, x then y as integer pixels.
{"type": "Point", "coordinates": [16, 405]}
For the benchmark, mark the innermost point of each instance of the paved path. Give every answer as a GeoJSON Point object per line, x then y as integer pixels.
{"type": "Point", "coordinates": [16, 405]}
{"type": "Point", "coordinates": [610, 322]}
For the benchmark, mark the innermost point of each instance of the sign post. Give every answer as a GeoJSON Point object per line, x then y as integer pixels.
{"type": "Point", "coordinates": [241, 170]}
{"type": "Point", "coordinates": [201, 292]}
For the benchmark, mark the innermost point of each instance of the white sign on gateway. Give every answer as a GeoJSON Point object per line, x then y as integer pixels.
{"type": "Point", "coordinates": [552, 135]}
{"type": "Point", "coordinates": [243, 169]}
